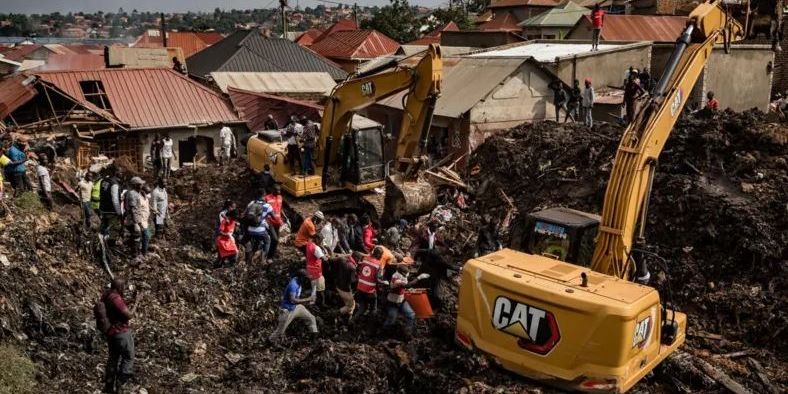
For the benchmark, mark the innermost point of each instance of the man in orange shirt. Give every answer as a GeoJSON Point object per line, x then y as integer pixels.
{"type": "Point", "coordinates": [307, 230]}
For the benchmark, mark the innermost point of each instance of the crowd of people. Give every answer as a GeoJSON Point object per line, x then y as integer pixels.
{"type": "Point", "coordinates": [301, 134]}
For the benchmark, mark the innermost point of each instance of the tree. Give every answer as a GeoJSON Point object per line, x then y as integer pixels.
{"type": "Point", "coordinates": [395, 20]}
{"type": "Point", "coordinates": [454, 14]}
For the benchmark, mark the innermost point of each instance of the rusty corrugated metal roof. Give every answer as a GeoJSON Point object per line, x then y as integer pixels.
{"type": "Point", "coordinates": [153, 97]}
{"type": "Point", "coordinates": [15, 91]}
{"type": "Point", "coordinates": [657, 28]}
{"type": "Point", "coordinates": [308, 37]}
{"type": "Point", "coordinates": [523, 3]}
{"type": "Point", "coordinates": [254, 108]}
{"type": "Point", "coordinates": [275, 82]}
{"type": "Point", "coordinates": [72, 61]}
{"type": "Point", "coordinates": [356, 44]}
{"type": "Point", "coordinates": [340, 25]}
{"type": "Point", "coordinates": [505, 21]}
{"type": "Point", "coordinates": [189, 42]}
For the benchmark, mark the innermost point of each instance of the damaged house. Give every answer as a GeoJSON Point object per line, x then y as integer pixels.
{"type": "Point", "coordinates": [117, 113]}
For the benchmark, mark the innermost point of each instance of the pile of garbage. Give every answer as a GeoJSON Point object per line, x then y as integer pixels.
{"type": "Point", "coordinates": [718, 216]}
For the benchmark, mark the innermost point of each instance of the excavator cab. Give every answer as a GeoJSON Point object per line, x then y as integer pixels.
{"type": "Point", "coordinates": [362, 156]}
{"type": "Point", "coordinates": [559, 233]}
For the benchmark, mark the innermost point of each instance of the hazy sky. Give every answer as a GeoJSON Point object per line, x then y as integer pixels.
{"type": "Point", "coordinates": [46, 6]}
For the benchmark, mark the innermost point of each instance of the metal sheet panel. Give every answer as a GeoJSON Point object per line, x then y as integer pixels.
{"type": "Point", "coordinates": [355, 44]}
{"type": "Point", "coordinates": [145, 98]}
{"type": "Point", "coordinates": [465, 82]}
{"type": "Point", "coordinates": [656, 28]}
{"type": "Point", "coordinates": [254, 108]}
{"type": "Point", "coordinates": [15, 91]}
{"type": "Point", "coordinates": [284, 82]}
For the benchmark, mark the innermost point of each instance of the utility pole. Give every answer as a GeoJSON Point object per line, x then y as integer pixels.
{"type": "Point", "coordinates": [163, 31]}
{"type": "Point", "coordinates": [355, 13]}
{"type": "Point", "coordinates": [283, 6]}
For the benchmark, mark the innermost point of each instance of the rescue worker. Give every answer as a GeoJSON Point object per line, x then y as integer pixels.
{"type": "Point", "coordinates": [256, 217]}
{"type": "Point", "coordinates": [573, 106]}
{"type": "Point", "coordinates": [276, 219]}
{"type": "Point", "coordinates": [44, 181]}
{"type": "Point", "coordinates": [559, 97]}
{"type": "Point", "coordinates": [330, 236]}
{"type": "Point", "coordinates": [225, 240]}
{"type": "Point", "coordinates": [368, 234]}
{"type": "Point", "coordinates": [4, 161]}
{"type": "Point", "coordinates": [597, 21]}
{"type": "Point", "coordinates": [227, 139]}
{"type": "Point", "coordinates": [160, 204]}
{"type": "Point", "coordinates": [712, 104]}
{"type": "Point", "coordinates": [368, 273]}
{"type": "Point", "coordinates": [266, 179]}
{"type": "Point", "coordinates": [293, 132]}
{"type": "Point", "coordinates": [309, 139]}
{"type": "Point", "coordinates": [344, 269]}
{"type": "Point", "coordinates": [167, 154]}
{"type": "Point", "coordinates": [16, 169]}
{"type": "Point", "coordinates": [354, 235]}
{"type": "Point", "coordinates": [308, 230]}
{"type": "Point", "coordinates": [396, 297]}
{"type": "Point", "coordinates": [120, 341]}
{"type": "Point", "coordinates": [109, 203]}
{"type": "Point", "coordinates": [588, 103]}
{"type": "Point", "coordinates": [143, 217]}
{"type": "Point", "coordinates": [632, 92]}
{"type": "Point", "coordinates": [134, 215]}
{"type": "Point", "coordinates": [270, 123]}
{"type": "Point", "coordinates": [315, 257]}
{"type": "Point", "coordinates": [155, 154]}
{"type": "Point", "coordinates": [85, 187]}
{"type": "Point", "coordinates": [95, 197]}
{"type": "Point", "coordinates": [292, 307]}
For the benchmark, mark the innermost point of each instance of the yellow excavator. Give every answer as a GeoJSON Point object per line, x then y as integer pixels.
{"type": "Point", "coordinates": [565, 311]}
{"type": "Point", "coordinates": [351, 155]}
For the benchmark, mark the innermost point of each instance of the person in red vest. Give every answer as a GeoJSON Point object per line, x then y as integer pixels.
{"type": "Point", "coordinates": [368, 273]}
{"type": "Point", "coordinates": [712, 104]}
{"type": "Point", "coordinates": [597, 20]}
{"type": "Point", "coordinates": [225, 240]}
{"type": "Point", "coordinates": [276, 220]}
{"type": "Point", "coordinates": [315, 257]}
{"type": "Point", "coordinates": [368, 234]}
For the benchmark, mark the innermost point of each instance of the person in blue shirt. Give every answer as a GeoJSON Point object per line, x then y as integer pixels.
{"type": "Point", "coordinates": [16, 170]}
{"type": "Point", "coordinates": [292, 306]}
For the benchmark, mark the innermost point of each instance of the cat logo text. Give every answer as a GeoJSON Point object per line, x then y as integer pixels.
{"type": "Point", "coordinates": [536, 329]}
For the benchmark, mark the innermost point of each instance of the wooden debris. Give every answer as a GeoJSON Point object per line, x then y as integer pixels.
{"type": "Point", "coordinates": [721, 377]}
{"type": "Point", "coordinates": [761, 373]}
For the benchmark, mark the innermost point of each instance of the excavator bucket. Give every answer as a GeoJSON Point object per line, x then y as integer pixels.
{"type": "Point", "coordinates": [407, 198]}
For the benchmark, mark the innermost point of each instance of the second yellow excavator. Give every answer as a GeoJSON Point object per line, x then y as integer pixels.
{"type": "Point", "coordinates": [352, 154]}
{"type": "Point", "coordinates": [566, 312]}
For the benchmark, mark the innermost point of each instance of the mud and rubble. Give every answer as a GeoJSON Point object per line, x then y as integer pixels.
{"type": "Point", "coordinates": [718, 217]}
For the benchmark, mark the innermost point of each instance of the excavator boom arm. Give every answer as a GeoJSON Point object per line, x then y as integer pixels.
{"type": "Point", "coordinates": [422, 82]}
{"type": "Point", "coordinates": [626, 198]}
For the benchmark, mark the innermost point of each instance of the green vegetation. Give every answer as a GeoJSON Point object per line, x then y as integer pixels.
{"type": "Point", "coordinates": [16, 372]}
{"type": "Point", "coordinates": [29, 202]}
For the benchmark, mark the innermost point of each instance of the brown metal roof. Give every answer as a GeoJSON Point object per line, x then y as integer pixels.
{"type": "Point", "coordinates": [523, 3]}
{"type": "Point", "coordinates": [355, 44]}
{"type": "Point", "coordinates": [254, 107]}
{"type": "Point", "coordinates": [657, 28]}
{"type": "Point", "coordinates": [153, 97]}
{"type": "Point", "coordinates": [70, 61]}
{"type": "Point", "coordinates": [14, 92]}
{"type": "Point", "coordinates": [189, 42]}
{"type": "Point", "coordinates": [504, 21]}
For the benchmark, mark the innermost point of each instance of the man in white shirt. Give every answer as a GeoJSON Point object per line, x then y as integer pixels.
{"type": "Point", "coordinates": [166, 155]}
{"type": "Point", "coordinates": [44, 182]}
{"type": "Point", "coordinates": [85, 192]}
{"type": "Point", "coordinates": [227, 138]}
